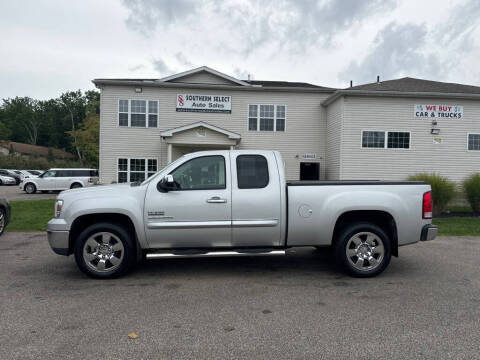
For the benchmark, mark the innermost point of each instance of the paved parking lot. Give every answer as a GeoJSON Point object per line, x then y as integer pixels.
{"type": "Point", "coordinates": [15, 193]}
{"type": "Point", "coordinates": [426, 305]}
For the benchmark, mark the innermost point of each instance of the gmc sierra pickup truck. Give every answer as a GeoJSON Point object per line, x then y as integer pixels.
{"type": "Point", "coordinates": [237, 203]}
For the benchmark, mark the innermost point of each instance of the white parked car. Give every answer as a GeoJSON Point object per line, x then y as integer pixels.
{"type": "Point", "coordinates": [25, 173]}
{"type": "Point", "coordinates": [7, 180]}
{"type": "Point", "coordinates": [60, 179]}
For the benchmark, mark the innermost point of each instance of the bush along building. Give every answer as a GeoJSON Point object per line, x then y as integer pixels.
{"type": "Point", "coordinates": [385, 130]}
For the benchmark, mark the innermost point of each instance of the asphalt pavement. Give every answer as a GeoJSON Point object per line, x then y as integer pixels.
{"type": "Point", "coordinates": [426, 305]}
{"type": "Point", "coordinates": [13, 192]}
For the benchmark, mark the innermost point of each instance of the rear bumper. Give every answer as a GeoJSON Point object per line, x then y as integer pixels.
{"type": "Point", "coordinates": [57, 237]}
{"type": "Point", "coordinates": [429, 232]}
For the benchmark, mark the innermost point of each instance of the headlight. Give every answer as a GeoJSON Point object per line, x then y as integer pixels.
{"type": "Point", "coordinates": [58, 207]}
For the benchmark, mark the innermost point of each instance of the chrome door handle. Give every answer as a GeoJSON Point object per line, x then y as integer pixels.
{"type": "Point", "coordinates": [216, 200]}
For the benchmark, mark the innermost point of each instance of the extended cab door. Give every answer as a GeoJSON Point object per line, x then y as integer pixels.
{"type": "Point", "coordinates": [256, 200]}
{"type": "Point", "coordinates": [197, 214]}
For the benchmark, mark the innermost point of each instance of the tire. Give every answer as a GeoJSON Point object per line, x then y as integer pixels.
{"type": "Point", "coordinates": [1, 182]}
{"type": "Point", "coordinates": [112, 260]}
{"type": "Point", "coordinates": [3, 220]}
{"type": "Point", "coordinates": [30, 188]}
{"type": "Point", "coordinates": [76, 186]}
{"type": "Point", "coordinates": [363, 249]}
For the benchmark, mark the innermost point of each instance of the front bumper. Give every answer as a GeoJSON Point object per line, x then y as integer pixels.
{"type": "Point", "coordinates": [429, 232]}
{"type": "Point", "coordinates": [58, 236]}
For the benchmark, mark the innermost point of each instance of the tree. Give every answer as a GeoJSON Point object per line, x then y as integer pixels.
{"type": "Point", "coordinates": [74, 103]}
{"type": "Point", "coordinates": [21, 117]}
{"type": "Point", "coordinates": [88, 138]}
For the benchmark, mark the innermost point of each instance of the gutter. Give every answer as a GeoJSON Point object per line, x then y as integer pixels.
{"type": "Point", "coordinates": [340, 93]}
{"type": "Point", "coordinates": [99, 82]}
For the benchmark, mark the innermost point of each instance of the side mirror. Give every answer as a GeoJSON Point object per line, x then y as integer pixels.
{"type": "Point", "coordinates": [166, 184]}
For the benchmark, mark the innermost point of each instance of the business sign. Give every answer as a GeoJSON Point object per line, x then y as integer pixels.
{"type": "Point", "coordinates": [204, 103]}
{"type": "Point", "coordinates": [309, 156]}
{"type": "Point", "coordinates": [438, 111]}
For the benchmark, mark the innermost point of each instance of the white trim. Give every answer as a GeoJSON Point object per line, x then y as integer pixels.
{"type": "Point", "coordinates": [468, 135]}
{"type": "Point", "coordinates": [385, 147]}
{"type": "Point", "coordinates": [171, 132]}
{"type": "Point", "coordinates": [206, 69]}
{"type": "Point", "coordinates": [128, 166]}
{"type": "Point", "coordinates": [130, 114]}
{"type": "Point", "coordinates": [274, 118]}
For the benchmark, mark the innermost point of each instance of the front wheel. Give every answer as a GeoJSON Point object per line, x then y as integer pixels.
{"type": "Point", "coordinates": [363, 249]}
{"type": "Point", "coordinates": [104, 251]}
{"type": "Point", "coordinates": [3, 220]}
{"type": "Point", "coordinates": [30, 188]}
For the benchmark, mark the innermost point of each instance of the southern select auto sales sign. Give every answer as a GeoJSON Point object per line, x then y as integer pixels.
{"type": "Point", "coordinates": [204, 103]}
{"type": "Point", "coordinates": [438, 111]}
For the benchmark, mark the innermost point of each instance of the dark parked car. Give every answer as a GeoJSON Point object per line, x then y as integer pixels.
{"type": "Point", "coordinates": [4, 214]}
{"type": "Point", "coordinates": [6, 172]}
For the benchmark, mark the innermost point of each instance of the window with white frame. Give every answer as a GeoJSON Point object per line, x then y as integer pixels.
{"type": "Point", "coordinates": [135, 170]}
{"type": "Point", "coordinates": [386, 139]}
{"type": "Point", "coordinates": [266, 117]}
{"type": "Point", "coordinates": [474, 142]}
{"type": "Point", "coordinates": [138, 113]}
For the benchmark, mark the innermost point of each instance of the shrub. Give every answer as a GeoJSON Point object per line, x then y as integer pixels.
{"type": "Point", "coordinates": [443, 190]}
{"type": "Point", "coordinates": [471, 185]}
{"type": "Point", "coordinates": [32, 162]}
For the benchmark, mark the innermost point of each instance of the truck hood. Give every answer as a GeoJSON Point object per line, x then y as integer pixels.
{"type": "Point", "coordinates": [100, 191]}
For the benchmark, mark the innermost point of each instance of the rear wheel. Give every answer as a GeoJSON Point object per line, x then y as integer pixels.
{"type": "Point", "coordinates": [3, 220]}
{"type": "Point", "coordinates": [30, 188]}
{"type": "Point", "coordinates": [363, 249]}
{"type": "Point", "coordinates": [75, 186]}
{"type": "Point", "coordinates": [104, 251]}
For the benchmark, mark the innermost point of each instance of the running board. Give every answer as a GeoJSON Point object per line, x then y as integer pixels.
{"type": "Point", "coordinates": [197, 254]}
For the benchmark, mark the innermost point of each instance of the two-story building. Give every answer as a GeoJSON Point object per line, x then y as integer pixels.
{"type": "Point", "coordinates": [383, 130]}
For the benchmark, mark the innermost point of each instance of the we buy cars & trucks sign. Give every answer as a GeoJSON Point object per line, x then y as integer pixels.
{"type": "Point", "coordinates": [204, 103]}
{"type": "Point", "coordinates": [438, 111]}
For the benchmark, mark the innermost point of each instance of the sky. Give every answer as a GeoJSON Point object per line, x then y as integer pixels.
{"type": "Point", "coordinates": [51, 46]}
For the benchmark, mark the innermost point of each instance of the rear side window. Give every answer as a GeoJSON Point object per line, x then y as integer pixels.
{"type": "Point", "coordinates": [252, 172]}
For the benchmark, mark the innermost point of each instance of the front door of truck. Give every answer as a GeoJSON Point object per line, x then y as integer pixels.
{"type": "Point", "coordinates": [197, 213]}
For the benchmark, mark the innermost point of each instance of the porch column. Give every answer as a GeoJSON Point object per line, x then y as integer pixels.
{"type": "Point", "coordinates": [232, 147]}
{"type": "Point", "coordinates": [169, 154]}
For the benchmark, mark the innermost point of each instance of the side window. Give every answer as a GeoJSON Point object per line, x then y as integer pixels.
{"type": "Point", "coordinates": [203, 173]}
{"type": "Point", "coordinates": [252, 172]}
{"type": "Point", "coordinates": [49, 174]}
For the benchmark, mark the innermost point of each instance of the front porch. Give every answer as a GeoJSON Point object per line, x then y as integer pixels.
{"type": "Point", "coordinates": [199, 136]}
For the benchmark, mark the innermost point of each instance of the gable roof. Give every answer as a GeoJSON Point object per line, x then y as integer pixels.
{"type": "Point", "coordinates": [409, 87]}
{"type": "Point", "coordinates": [266, 83]}
{"type": "Point", "coordinates": [408, 84]}
{"type": "Point", "coordinates": [229, 134]}
{"type": "Point", "coordinates": [204, 69]}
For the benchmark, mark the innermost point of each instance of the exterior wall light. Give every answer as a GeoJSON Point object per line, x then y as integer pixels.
{"type": "Point", "coordinates": [435, 131]}
{"type": "Point", "coordinates": [138, 90]}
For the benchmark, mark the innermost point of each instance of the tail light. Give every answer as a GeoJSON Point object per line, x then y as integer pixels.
{"type": "Point", "coordinates": [427, 205]}
{"type": "Point", "coordinates": [90, 180]}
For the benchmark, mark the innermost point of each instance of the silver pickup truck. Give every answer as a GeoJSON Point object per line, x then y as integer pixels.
{"type": "Point", "coordinates": [237, 203]}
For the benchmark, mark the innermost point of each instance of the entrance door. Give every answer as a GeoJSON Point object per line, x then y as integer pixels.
{"type": "Point", "coordinates": [197, 214]}
{"type": "Point", "coordinates": [309, 171]}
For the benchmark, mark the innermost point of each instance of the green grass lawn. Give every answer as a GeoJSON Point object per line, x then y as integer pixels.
{"type": "Point", "coordinates": [31, 215]}
{"type": "Point", "coordinates": [458, 226]}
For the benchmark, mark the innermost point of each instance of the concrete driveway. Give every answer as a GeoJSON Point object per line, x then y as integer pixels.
{"type": "Point", "coordinates": [426, 305]}
{"type": "Point", "coordinates": [12, 192]}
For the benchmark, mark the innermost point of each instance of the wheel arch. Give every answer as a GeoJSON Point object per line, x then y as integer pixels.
{"type": "Point", "coordinates": [83, 221]}
{"type": "Point", "coordinates": [382, 219]}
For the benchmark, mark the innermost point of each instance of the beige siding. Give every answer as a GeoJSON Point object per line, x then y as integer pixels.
{"type": "Point", "coordinates": [204, 77]}
{"type": "Point", "coordinates": [334, 139]}
{"type": "Point", "coordinates": [450, 159]}
{"type": "Point", "coordinates": [192, 137]}
{"type": "Point", "coordinates": [305, 126]}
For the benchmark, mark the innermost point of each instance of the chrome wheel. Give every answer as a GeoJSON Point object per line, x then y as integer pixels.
{"type": "Point", "coordinates": [2, 221]}
{"type": "Point", "coordinates": [365, 251]}
{"type": "Point", "coordinates": [103, 252]}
